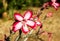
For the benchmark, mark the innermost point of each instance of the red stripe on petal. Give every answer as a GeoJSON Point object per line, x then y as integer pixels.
{"type": "Point", "coordinates": [17, 26]}
{"type": "Point", "coordinates": [30, 23]}
{"type": "Point", "coordinates": [18, 16]}
{"type": "Point", "coordinates": [28, 14]}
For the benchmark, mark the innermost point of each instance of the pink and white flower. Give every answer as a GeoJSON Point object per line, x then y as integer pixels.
{"type": "Point", "coordinates": [36, 19]}
{"type": "Point", "coordinates": [55, 4]}
{"type": "Point", "coordinates": [38, 23]}
{"type": "Point", "coordinates": [23, 22]}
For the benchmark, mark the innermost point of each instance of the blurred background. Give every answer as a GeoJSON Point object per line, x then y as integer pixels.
{"type": "Point", "coordinates": [10, 5]}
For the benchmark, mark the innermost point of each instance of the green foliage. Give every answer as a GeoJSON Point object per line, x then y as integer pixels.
{"type": "Point", "coordinates": [18, 4]}
{"type": "Point", "coordinates": [15, 4]}
{"type": "Point", "coordinates": [21, 4]}
{"type": "Point", "coordinates": [11, 12]}
{"type": "Point", "coordinates": [1, 8]}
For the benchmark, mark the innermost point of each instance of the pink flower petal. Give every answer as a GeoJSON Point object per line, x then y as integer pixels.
{"type": "Point", "coordinates": [18, 17]}
{"type": "Point", "coordinates": [17, 26]}
{"type": "Point", "coordinates": [53, 1]}
{"type": "Point", "coordinates": [28, 15]}
{"type": "Point", "coordinates": [25, 29]}
{"type": "Point", "coordinates": [31, 18]}
{"type": "Point", "coordinates": [49, 14]}
{"type": "Point", "coordinates": [31, 24]}
{"type": "Point", "coordinates": [38, 23]}
{"type": "Point", "coordinates": [55, 5]}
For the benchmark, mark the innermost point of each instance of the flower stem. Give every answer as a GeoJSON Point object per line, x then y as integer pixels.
{"type": "Point", "coordinates": [18, 37]}
{"type": "Point", "coordinates": [28, 35]}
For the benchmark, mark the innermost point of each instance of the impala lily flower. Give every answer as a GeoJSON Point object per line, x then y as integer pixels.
{"type": "Point", "coordinates": [38, 23]}
{"type": "Point", "coordinates": [23, 22]}
{"type": "Point", "coordinates": [55, 4]}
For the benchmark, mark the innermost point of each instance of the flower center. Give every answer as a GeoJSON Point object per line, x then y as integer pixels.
{"type": "Point", "coordinates": [23, 22]}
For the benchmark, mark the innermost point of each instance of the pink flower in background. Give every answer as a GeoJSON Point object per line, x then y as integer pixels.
{"type": "Point", "coordinates": [45, 4]}
{"type": "Point", "coordinates": [52, 3]}
{"type": "Point", "coordinates": [55, 4]}
{"type": "Point", "coordinates": [49, 14]}
{"type": "Point", "coordinates": [23, 22]}
{"type": "Point", "coordinates": [36, 19]}
{"type": "Point", "coordinates": [38, 23]}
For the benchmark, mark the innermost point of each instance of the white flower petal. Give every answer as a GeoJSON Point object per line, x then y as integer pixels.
{"type": "Point", "coordinates": [18, 17]}
{"type": "Point", "coordinates": [25, 29]}
{"type": "Point", "coordinates": [28, 15]}
{"type": "Point", "coordinates": [17, 26]}
{"type": "Point", "coordinates": [31, 23]}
